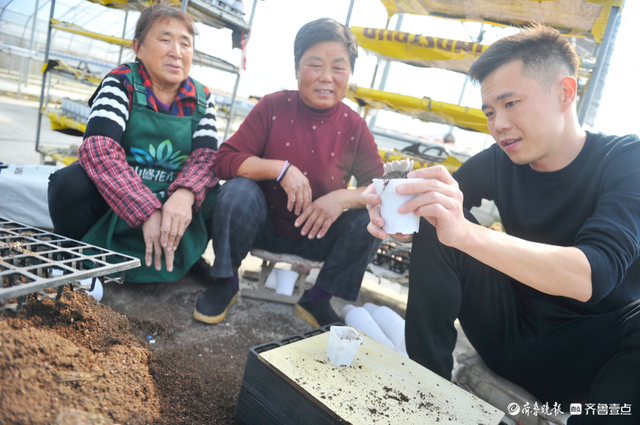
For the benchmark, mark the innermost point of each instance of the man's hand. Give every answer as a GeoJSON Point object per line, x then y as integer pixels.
{"type": "Point", "coordinates": [151, 232]}
{"type": "Point", "coordinates": [372, 201]}
{"type": "Point", "coordinates": [298, 190]}
{"type": "Point", "coordinates": [439, 201]}
{"type": "Point", "coordinates": [320, 215]}
{"type": "Point", "coordinates": [176, 217]}
{"type": "Point", "coordinates": [567, 271]}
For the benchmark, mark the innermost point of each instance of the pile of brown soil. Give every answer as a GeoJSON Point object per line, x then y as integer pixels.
{"type": "Point", "coordinates": [60, 359]}
{"type": "Point", "coordinates": [80, 362]}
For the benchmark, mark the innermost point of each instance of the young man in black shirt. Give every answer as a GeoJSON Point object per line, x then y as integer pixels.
{"type": "Point", "coordinates": [552, 304]}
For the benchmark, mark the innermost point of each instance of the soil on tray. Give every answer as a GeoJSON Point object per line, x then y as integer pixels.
{"type": "Point", "coordinates": [77, 361]}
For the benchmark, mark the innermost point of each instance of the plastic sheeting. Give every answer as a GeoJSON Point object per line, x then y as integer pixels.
{"type": "Point", "coordinates": [24, 194]}
{"type": "Point", "coordinates": [419, 50]}
{"type": "Point", "coordinates": [424, 108]}
{"type": "Point", "coordinates": [575, 17]}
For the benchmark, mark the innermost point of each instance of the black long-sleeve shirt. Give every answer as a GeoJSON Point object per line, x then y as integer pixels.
{"type": "Point", "coordinates": [592, 204]}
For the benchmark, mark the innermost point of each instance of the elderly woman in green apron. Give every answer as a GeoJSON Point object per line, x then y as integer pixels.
{"type": "Point", "coordinates": [144, 182]}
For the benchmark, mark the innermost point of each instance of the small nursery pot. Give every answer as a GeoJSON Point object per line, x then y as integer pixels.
{"type": "Point", "coordinates": [286, 281]}
{"type": "Point", "coordinates": [394, 222]}
{"type": "Point", "coordinates": [344, 342]}
{"type": "Point", "coordinates": [272, 280]}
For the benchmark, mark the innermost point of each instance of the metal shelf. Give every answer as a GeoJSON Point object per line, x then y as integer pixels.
{"type": "Point", "coordinates": [210, 12]}
{"type": "Point", "coordinates": [213, 15]}
{"type": "Point", "coordinates": [199, 58]}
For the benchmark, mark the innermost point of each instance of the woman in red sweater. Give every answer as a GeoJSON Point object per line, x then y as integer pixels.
{"type": "Point", "coordinates": [287, 169]}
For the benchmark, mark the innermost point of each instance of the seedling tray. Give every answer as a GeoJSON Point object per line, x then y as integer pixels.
{"type": "Point", "coordinates": [33, 260]}
{"type": "Point", "coordinates": [396, 258]}
{"type": "Point", "coordinates": [293, 382]}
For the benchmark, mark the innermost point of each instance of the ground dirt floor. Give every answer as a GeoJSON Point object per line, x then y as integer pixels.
{"type": "Point", "coordinates": [138, 357]}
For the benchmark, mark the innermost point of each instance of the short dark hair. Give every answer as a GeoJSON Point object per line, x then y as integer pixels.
{"type": "Point", "coordinates": [544, 53]}
{"type": "Point", "coordinates": [321, 30]}
{"type": "Point", "coordinates": [159, 11]}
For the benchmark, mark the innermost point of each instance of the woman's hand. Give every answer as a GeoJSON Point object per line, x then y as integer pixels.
{"type": "Point", "coordinates": [320, 215]}
{"type": "Point", "coordinates": [372, 201]}
{"type": "Point", "coordinates": [298, 190]}
{"type": "Point", "coordinates": [151, 233]}
{"type": "Point", "coordinates": [176, 217]}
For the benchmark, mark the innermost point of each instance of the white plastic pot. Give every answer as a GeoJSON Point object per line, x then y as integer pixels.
{"type": "Point", "coordinates": [343, 346]}
{"type": "Point", "coordinates": [272, 280]}
{"type": "Point", "coordinates": [98, 291]}
{"type": "Point", "coordinates": [391, 200]}
{"type": "Point", "coordinates": [286, 281]}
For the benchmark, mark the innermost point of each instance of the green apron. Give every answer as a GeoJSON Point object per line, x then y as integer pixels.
{"type": "Point", "coordinates": [157, 146]}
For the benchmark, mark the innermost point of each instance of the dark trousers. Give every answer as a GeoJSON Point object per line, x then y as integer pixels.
{"type": "Point", "coordinates": [75, 204]}
{"type": "Point", "coordinates": [532, 339]}
{"type": "Point", "coordinates": [241, 221]}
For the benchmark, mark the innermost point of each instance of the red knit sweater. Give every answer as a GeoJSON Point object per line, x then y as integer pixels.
{"type": "Point", "coordinates": [328, 146]}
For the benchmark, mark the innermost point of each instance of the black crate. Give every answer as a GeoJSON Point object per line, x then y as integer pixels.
{"type": "Point", "coordinates": [267, 398]}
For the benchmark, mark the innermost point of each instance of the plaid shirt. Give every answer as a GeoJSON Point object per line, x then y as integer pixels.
{"type": "Point", "coordinates": [104, 159]}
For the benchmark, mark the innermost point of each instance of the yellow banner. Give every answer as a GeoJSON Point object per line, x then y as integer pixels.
{"type": "Point", "coordinates": [571, 17]}
{"type": "Point", "coordinates": [423, 108]}
{"type": "Point", "coordinates": [419, 50]}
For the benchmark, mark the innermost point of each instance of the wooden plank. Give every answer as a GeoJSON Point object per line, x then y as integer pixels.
{"type": "Point", "coordinates": [251, 274]}
{"type": "Point", "coordinates": [270, 295]}
{"type": "Point", "coordinates": [381, 386]}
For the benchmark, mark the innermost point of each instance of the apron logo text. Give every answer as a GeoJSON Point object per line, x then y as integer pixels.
{"type": "Point", "coordinates": [149, 174]}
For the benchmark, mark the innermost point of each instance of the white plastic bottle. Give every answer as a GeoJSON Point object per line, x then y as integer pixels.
{"type": "Point", "coordinates": [391, 323]}
{"type": "Point", "coordinates": [359, 318]}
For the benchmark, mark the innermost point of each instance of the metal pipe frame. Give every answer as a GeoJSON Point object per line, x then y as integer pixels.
{"type": "Point", "coordinates": [385, 73]}
{"type": "Point", "coordinates": [33, 32]}
{"type": "Point", "coordinates": [585, 103]}
{"type": "Point", "coordinates": [44, 75]}
{"type": "Point", "coordinates": [232, 108]}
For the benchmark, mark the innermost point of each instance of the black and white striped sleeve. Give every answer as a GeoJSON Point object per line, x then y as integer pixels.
{"type": "Point", "coordinates": [206, 134]}
{"type": "Point", "coordinates": [110, 110]}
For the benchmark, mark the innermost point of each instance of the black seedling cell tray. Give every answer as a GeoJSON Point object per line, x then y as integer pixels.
{"type": "Point", "coordinates": [392, 255]}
